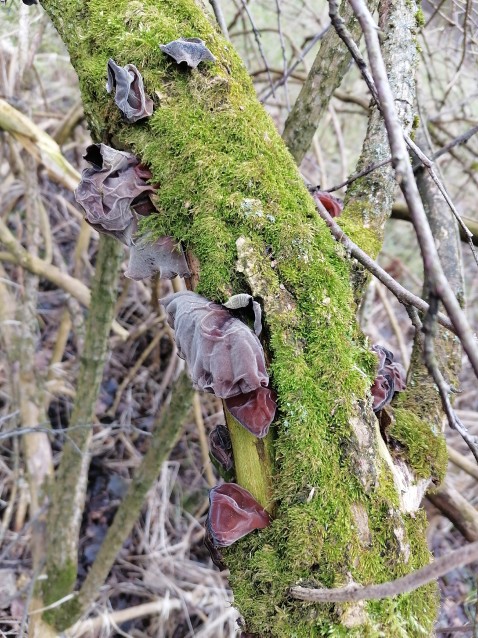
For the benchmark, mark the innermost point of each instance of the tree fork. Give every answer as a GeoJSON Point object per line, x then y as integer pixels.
{"type": "Point", "coordinates": [224, 175]}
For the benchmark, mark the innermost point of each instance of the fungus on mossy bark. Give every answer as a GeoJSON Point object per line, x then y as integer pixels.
{"type": "Point", "coordinates": [254, 410]}
{"type": "Point", "coordinates": [192, 51]}
{"type": "Point", "coordinates": [233, 513]}
{"type": "Point", "coordinates": [113, 192]}
{"type": "Point", "coordinates": [390, 378]}
{"type": "Point", "coordinates": [130, 97]}
{"type": "Point", "coordinates": [223, 355]}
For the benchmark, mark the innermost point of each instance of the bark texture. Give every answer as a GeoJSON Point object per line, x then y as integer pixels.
{"type": "Point", "coordinates": [230, 191]}
{"type": "Point", "coordinates": [326, 74]}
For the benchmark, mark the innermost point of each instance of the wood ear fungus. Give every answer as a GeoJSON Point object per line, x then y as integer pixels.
{"type": "Point", "coordinates": [224, 356]}
{"type": "Point", "coordinates": [390, 378]}
{"type": "Point", "coordinates": [255, 410]}
{"type": "Point", "coordinates": [233, 513]}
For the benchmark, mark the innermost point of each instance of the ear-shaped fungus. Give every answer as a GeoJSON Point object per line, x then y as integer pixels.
{"type": "Point", "coordinates": [242, 300]}
{"type": "Point", "coordinates": [333, 205]}
{"type": "Point", "coordinates": [224, 357]}
{"type": "Point", "coordinates": [220, 447]}
{"type": "Point", "coordinates": [113, 192]}
{"type": "Point", "coordinates": [130, 97]}
{"type": "Point", "coordinates": [107, 191]}
{"type": "Point", "coordinates": [390, 378]}
{"type": "Point", "coordinates": [255, 410]}
{"type": "Point", "coordinates": [233, 513]}
{"type": "Point", "coordinates": [189, 50]}
{"type": "Point", "coordinates": [147, 258]}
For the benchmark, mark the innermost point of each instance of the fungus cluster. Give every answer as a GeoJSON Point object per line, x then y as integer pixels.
{"type": "Point", "coordinates": [390, 378]}
{"type": "Point", "coordinates": [114, 192]}
{"type": "Point", "coordinates": [225, 358]}
{"type": "Point", "coordinates": [224, 355]}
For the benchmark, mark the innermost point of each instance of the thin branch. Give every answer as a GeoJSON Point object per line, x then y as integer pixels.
{"type": "Point", "coordinates": [221, 20]}
{"type": "Point", "coordinates": [353, 593]}
{"type": "Point", "coordinates": [405, 178]}
{"type": "Point", "coordinates": [37, 266]}
{"type": "Point", "coordinates": [453, 420]}
{"type": "Point", "coordinates": [429, 329]}
{"type": "Point", "coordinates": [457, 509]}
{"type": "Point", "coordinates": [257, 37]}
{"type": "Point", "coordinates": [164, 436]}
{"type": "Point", "coordinates": [362, 173]}
{"type": "Point", "coordinates": [292, 68]}
{"type": "Point", "coordinates": [68, 494]}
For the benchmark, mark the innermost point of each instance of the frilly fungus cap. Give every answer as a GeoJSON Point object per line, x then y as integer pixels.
{"type": "Point", "coordinates": [130, 97]}
{"type": "Point", "coordinates": [223, 355]}
{"type": "Point", "coordinates": [390, 378]}
{"type": "Point", "coordinates": [113, 192]}
{"type": "Point", "coordinates": [255, 410]}
{"type": "Point", "coordinates": [233, 513]}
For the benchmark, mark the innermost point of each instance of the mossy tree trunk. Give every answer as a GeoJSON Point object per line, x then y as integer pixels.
{"type": "Point", "coordinates": [230, 191]}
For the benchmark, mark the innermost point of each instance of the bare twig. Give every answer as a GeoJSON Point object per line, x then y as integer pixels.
{"type": "Point", "coordinates": [203, 442]}
{"type": "Point", "coordinates": [404, 174]}
{"type": "Point", "coordinates": [68, 494]}
{"type": "Point", "coordinates": [429, 329]}
{"type": "Point", "coordinates": [403, 295]}
{"type": "Point", "coordinates": [352, 593]}
{"type": "Point", "coordinates": [292, 68]}
{"type": "Point", "coordinates": [218, 12]}
{"type": "Point", "coordinates": [462, 462]}
{"type": "Point", "coordinates": [457, 509]}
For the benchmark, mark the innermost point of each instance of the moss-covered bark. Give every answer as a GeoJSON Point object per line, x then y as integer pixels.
{"type": "Point", "coordinates": [224, 174]}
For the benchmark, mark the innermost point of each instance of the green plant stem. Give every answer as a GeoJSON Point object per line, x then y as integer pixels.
{"type": "Point", "coordinates": [68, 491]}
{"type": "Point", "coordinates": [165, 434]}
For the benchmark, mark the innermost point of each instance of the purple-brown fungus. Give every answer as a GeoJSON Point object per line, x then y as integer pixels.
{"type": "Point", "coordinates": [255, 410]}
{"type": "Point", "coordinates": [333, 205]}
{"type": "Point", "coordinates": [233, 513]}
{"type": "Point", "coordinates": [189, 50]}
{"type": "Point", "coordinates": [223, 355]}
{"type": "Point", "coordinates": [390, 378]}
{"type": "Point", "coordinates": [113, 193]}
{"type": "Point", "coordinates": [146, 258]}
{"type": "Point", "coordinates": [220, 447]}
{"type": "Point", "coordinates": [130, 97]}
{"type": "Point", "coordinates": [110, 188]}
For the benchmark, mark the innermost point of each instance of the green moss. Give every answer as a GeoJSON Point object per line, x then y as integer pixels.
{"type": "Point", "coordinates": [54, 587]}
{"type": "Point", "coordinates": [420, 18]}
{"type": "Point", "coordinates": [423, 450]}
{"type": "Point", "coordinates": [223, 172]}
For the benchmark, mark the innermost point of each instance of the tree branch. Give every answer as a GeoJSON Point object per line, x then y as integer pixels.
{"type": "Point", "coordinates": [353, 593]}
{"type": "Point", "coordinates": [164, 436]}
{"type": "Point", "coordinates": [68, 493]}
